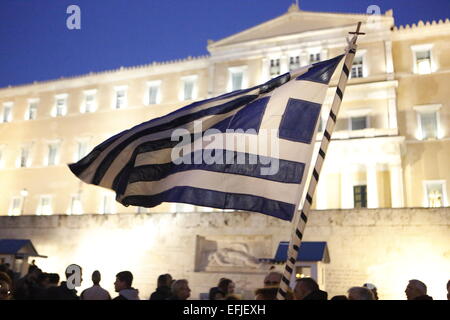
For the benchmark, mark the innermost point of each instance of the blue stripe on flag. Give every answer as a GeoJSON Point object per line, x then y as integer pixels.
{"type": "Point", "coordinates": [288, 172]}
{"type": "Point", "coordinates": [215, 199]}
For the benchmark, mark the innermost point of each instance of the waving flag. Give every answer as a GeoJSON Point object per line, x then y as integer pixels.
{"type": "Point", "coordinates": [246, 150]}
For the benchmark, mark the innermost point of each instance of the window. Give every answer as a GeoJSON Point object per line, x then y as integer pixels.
{"type": "Point", "coordinates": [423, 63]}
{"type": "Point", "coordinates": [435, 193]}
{"type": "Point", "coordinates": [7, 112]}
{"type": "Point", "coordinates": [189, 88]}
{"type": "Point", "coordinates": [75, 204]}
{"type": "Point", "coordinates": [82, 150]}
{"type": "Point", "coordinates": [107, 205]}
{"type": "Point", "coordinates": [274, 67]}
{"type": "Point", "coordinates": [237, 78]}
{"type": "Point", "coordinates": [89, 104]}
{"type": "Point", "coordinates": [302, 272]}
{"type": "Point", "coordinates": [360, 196]}
{"type": "Point", "coordinates": [61, 106]}
{"type": "Point", "coordinates": [357, 67]}
{"type": "Point", "coordinates": [16, 206]}
{"type": "Point", "coordinates": [45, 206]}
{"type": "Point", "coordinates": [120, 99]}
{"type": "Point", "coordinates": [428, 124]}
{"type": "Point", "coordinates": [24, 160]}
{"type": "Point", "coordinates": [154, 92]}
{"type": "Point", "coordinates": [314, 57]}
{"type": "Point", "coordinates": [52, 156]}
{"type": "Point", "coordinates": [358, 123]}
{"type": "Point", "coordinates": [428, 121]}
{"type": "Point", "coordinates": [294, 63]}
{"type": "Point", "coordinates": [32, 110]}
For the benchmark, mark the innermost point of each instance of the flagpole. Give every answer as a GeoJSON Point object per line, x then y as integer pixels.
{"type": "Point", "coordinates": [297, 235]}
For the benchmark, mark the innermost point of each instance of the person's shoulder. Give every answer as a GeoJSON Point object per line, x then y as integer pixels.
{"type": "Point", "coordinates": [120, 297]}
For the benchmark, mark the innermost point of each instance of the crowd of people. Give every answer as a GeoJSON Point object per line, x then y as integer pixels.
{"type": "Point", "coordinates": [38, 285]}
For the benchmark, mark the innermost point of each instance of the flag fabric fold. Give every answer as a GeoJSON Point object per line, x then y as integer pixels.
{"type": "Point", "coordinates": [245, 150]}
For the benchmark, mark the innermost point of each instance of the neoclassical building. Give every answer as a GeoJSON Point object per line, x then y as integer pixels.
{"type": "Point", "coordinates": [391, 147]}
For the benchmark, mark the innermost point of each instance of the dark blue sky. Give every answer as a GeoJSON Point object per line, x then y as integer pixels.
{"type": "Point", "coordinates": [35, 43]}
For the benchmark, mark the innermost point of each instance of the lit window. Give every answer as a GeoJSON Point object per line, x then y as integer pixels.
{"type": "Point", "coordinates": [7, 112]}
{"type": "Point", "coordinates": [120, 99]}
{"type": "Point", "coordinates": [294, 63]}
{"type": "Point", "coordinates": [435, 194]}
{"type": "Point", "coordinates": [75, 205]}
{"type": "Point", "coordinates": [357, 67]}
{"type": "Point", "coordinates": [45, 206]}
{"type": "Point", "coordinates": [154, 92]}
{"type": "Point", "coordinates": [314, 57]}
{"type": "Point", "coordinates": [275, 67]}
{"type": "Point", "coordinates": [16, 206]}
{"type": "Point", "coordinates": [24, 160]}
{"type": "Point", "coordinates": [237, 78]}
{"type": "Point", "coordinates": [423, 61]}
{"type": "Point", "coordinates": [107, 205]}
{"type": "Point", "coordinates": [89, 105]}
{"type": "Point", "coordinates": [302, 272]}
{"type": "Point", "coordinates": [32, 110]}
{"type": "Point", "coordinates": [428, 122]}
{"type": "Point", "coordinates": [358, 123]}
{"type": "Point", "coordinates": [52, 156]}
{"type": "Point", "coordinates": [61, 107]}
{"type": "Point", "coordinates": [82, 150]}
{"type": "Point", "coordinates": [428, 125]}
{"type": "Point", "coordinates": [189, 88]}
{"type": "Point", "coordinates": [360, 196]}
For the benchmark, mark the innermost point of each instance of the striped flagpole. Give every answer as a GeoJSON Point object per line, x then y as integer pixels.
{"type": "Point", "coordinates": [297, 235]}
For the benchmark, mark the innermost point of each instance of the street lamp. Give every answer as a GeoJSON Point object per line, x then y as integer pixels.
{"type": "Point", "coordinates": [24, 194]}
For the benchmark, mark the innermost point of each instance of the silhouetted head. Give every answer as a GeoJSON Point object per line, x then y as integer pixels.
{"type": "Point", "coordinates": [164, 280]}
{"type": "Point", "coordinates": [414, 289]}
{"type": "Point", "coordinates": [96, 277]}
{"type": "Point", "coordinates": [304, 286]}
{"type": "Point", "coordinates": [272, 279]}
{"type": "Point", "coordinates": [181, 290]}
{"type": "Point", "coordinates": [360, 293]}
{"type": "Point", "coordinates": [124, 280]}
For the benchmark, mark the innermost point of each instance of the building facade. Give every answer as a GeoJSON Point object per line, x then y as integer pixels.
{"type": "Point", "coordinates": [390, 149]}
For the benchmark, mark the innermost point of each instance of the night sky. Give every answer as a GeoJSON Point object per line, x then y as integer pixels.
{"type": "Point", "coordinates": [35, 43]}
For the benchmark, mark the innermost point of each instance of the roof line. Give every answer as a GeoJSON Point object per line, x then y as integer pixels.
{"type": "Point", "coordinates": [122, 68]}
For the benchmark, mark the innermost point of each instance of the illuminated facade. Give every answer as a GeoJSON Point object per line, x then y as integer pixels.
{"type": "Point", "coordinates": [391, 147]}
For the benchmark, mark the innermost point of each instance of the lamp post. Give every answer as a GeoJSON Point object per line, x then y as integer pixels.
{"type": "Point", "coordinates": [24, 194]}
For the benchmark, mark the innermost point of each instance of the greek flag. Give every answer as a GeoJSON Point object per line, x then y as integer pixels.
{"type": "Point", "coordinates": [245, 150]}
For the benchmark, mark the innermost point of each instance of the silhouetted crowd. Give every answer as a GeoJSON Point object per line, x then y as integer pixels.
{"type": "Point", "coordinates": [38, 285]}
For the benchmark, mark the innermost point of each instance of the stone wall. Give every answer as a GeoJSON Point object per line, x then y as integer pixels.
{"type": "Point", "coordinates": [383, 246]}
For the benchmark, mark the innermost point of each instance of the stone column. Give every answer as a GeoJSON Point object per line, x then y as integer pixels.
{"type": "Point", "coordinates": [346, 188]}
{"type": "Point", "coordinates": [397, 191]}
{"type": "Point", "coordinates": [372, 186]}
